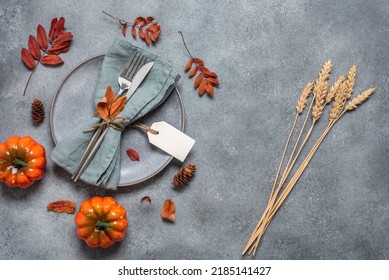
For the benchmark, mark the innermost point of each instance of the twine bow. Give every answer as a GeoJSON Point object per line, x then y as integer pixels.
{"type": "Point", "coordinates": [116, 123]}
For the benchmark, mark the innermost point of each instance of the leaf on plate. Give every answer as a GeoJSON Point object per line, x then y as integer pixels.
{"type": "Point", "coordinates": [146, 198]}
{"type": "Point", "coordinates": [206, 80]}
{"type": "Point", "coordinates": [62, 206]}
{"type": "Point", "coordinates": [28, 59]}
{"type": "Point", "coordinates": [169, 211]}
{"type": "Point", "coordinates": [132, 154]}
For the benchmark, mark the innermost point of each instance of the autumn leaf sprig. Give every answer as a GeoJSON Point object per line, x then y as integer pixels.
{"type": "Point", "coordinates": [57, 42]}
{"type": "Point", "coordinates": [206, 80]}
{"type": "Point", "coordinates": [148, 30]}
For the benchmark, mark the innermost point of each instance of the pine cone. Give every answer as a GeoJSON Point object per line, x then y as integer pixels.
{"type": "Point", "coordinates": [37, 111]}
{"type": "Point", "coordinates": [184, 175]}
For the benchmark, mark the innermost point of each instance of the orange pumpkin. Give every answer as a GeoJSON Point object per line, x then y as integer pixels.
{"type": "Point", "coordinates": [101, 222]}
{"type": "Point", "coordinates": [22, 161]}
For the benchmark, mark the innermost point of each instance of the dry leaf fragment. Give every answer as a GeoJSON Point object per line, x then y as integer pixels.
{"type": "Point", "coordinates": [198, 80]}
{"type": "Point", "coordinates": [51, 32]}
{"type": "Point", "coordinates": [132, 154]}
{"type": "Point", "coordinates": [117, 106]}
{"type": "Point", "coordinates": [62, 206]}
{"type": "Point", "coordinates": [146, 198]}
{"type": "Point", "coordinates": [193, 72]}
{"type": "Point", "coordinates": [169, 211]}
{"type": "Point", "coordinates": [188, 65]}
{"type": "Point", "coordinates": [124, 28]}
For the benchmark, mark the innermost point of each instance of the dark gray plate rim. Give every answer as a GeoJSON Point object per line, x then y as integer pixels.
{"type": "Point", "coordinates": [56, 94]}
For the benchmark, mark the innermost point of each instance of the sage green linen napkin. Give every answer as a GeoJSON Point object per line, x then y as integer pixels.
{"type": "Point", "coordinates": [104, 168]}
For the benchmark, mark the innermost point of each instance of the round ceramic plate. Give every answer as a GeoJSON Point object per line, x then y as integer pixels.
{"type": "Point", "coordinates": [72, 104]}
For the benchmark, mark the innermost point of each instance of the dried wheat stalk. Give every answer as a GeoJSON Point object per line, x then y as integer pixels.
{"type": "Point", "coordinates": [339, 93]}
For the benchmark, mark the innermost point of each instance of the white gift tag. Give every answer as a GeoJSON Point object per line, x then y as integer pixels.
{"type": "Point", "coordinates": [171, 140]}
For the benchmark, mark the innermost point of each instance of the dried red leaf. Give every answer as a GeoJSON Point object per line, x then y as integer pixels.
{"type": "Point", "coordinates": [42, 37]}
{"type": "Point", "coordinates": [62, 206]}
{"type": "Point", "coordinates": [139, 20]}
{"type": "Point", "coordinates": [193, 72]}
{"type": "Point", "coordinates": [148, 20]}
{"type": "Point", "coordinates": [209, 74]}
{"type": "Point", "coordinates": [202, 87]}
{"type": "Point", "coordinates": [28, 59]}
{"type": "Point", "coordinates": [65, 37]}
{"type": "Point", "coordinates": [52, 29]}
{"type": "Point", "coordinates": [133, 31]}
{"type": "Point", "coordinates": [213, 81]}
{"type": "Point", "coordinates": [124, 28]}
{"type": "Point", "coordinates": [141, 33]}
{"type": "Point", "coordinates": [146, 198]}
{"type": "Point", "coordinates": [209, 88]}
{"type": "Point", "coordinates": [147, 37]}
{"type": "Point", "coordinates": [198, 61]}
{"type": "Point", "coordinates": [51, 59]}
{"type": "Point", "coordinates": [132, 154]}
{"type": "Point", "coordinates": [188, 65]}
{"type": "Point", "coordinates": [198, 80]}
{"type": "Point", "coordinates": [59, 27]}
{"type": "Point", "coordinates": [34, 48]}
{"type": "Point", "coordinates": [169, 211]}
{"type": "Point", "coordinates": [59, 48]}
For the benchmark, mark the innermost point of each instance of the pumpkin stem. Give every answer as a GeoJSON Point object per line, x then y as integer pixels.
{"type": "Point", "coordinates": [101, 225]}
{"type": "Point", "coordinates": [19, 162]}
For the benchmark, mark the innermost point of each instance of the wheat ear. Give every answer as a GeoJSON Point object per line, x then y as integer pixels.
{"type": "Point", "coordinates": [354, 103]}
{"type": "Point", "coordinates": [335, 87]}
{"type": "Point", "coordinates": [320, 90]}
{"type": "Point", "coordinates": [350, 82]}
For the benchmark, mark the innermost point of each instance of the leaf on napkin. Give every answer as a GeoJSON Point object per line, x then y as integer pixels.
{"type": "Point", "coordinates": [206, 80]}
{"type": "Point", "coordinates": [169, 211]}
{"type": "Point", "coordinates": [146, 198]}
{"type": "Point", "coordinates": [108, 107]}
{"type": "Point", "coordinates": [58, 41]}
{"type": "Point", "coordinates": [62, 206]}
{"type": "Point", "coordinates": [148, 30]}
{"type": "Point", "coordinates": [132, 154]}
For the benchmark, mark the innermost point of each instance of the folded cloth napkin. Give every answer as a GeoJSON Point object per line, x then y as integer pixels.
{"type": "Point", "coordinates": [104, 168]}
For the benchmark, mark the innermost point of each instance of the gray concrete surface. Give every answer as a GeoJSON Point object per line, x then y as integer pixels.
{"type": "Point", "coordinates": [264, 52]}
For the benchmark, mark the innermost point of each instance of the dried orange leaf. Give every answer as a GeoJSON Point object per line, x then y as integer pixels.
{"type": "Point", "coordinates": [34, 48]}
{"type": "Point", "coordinates": [147, 37]}
{"type": "Point", "coordinates": [110, 96]}
{"type": "Point", "coordinates": [203, 86]}
{"type": "Point", "coordinates": [132, 154]}
{"type": "Point", "coordinates": [102, 109]}
{"type": "Point", "coordinates": [117, 106]}
{"type": "Point", "coordinates": [209, 89]}
{"type": "Point", "coordinates": [52, 27]}
{"type": "Point", "coordinates": [198, 61]}
{"type": "Point", "coordinates": [59, 48]}
{"type": "Point", "coordinates": [28, 59]}
{"type": "Point", "coordinates": [133, 31]}
{"type": "Point", "coordinates": [146, 198]}
{"type": "Point", "coordinates": [198, 80]}
{"type": "Point", "coordinates": [124, 28]}
{"type": "Point", "coordinates": [169, 210]}
{"type": "Point", "coordinates": [67, 36]}
{"type": "Point", "coordinates": [193, 72]}
{"type": "Point", "coordinates": [62, 206]}
{"type": "Point", "coordinates": [59, 27]}
{"type": "Point", "coordinates": [189, 65]}
{"type": "Point", "coordinates": [42, 37]}
{"type": "Point", "coordinates": [149, 19]}
{"type": "Point", "coordinates": [139, 20]}
{"type": "Point", "coordinates": [213, 81]}
{"type": "Point", "coordinates": [141, 33]}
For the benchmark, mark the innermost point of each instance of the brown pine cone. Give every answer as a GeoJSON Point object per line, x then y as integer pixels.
{"type": "Point", "coordinates": [184, 175]}
{"type": "Point", "coordinates": [37, 111]}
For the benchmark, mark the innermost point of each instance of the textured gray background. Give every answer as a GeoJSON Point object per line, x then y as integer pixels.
{"type": "Point", "coordinates": [264, 52]}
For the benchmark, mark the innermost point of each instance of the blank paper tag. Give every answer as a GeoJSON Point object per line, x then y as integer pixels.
{"type": "Point", "coordinates": [171, 140]}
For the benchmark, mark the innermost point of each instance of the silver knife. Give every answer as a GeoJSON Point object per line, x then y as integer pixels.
{"type": "Point", "coordinates": [138, 79]}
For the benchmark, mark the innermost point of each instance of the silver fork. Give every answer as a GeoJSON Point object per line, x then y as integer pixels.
{"type": "Point", "coordinates": [135, 62]}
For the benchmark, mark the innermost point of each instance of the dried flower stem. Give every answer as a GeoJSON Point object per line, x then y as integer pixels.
{"type": "Point", "coordinates": [119, 19]}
